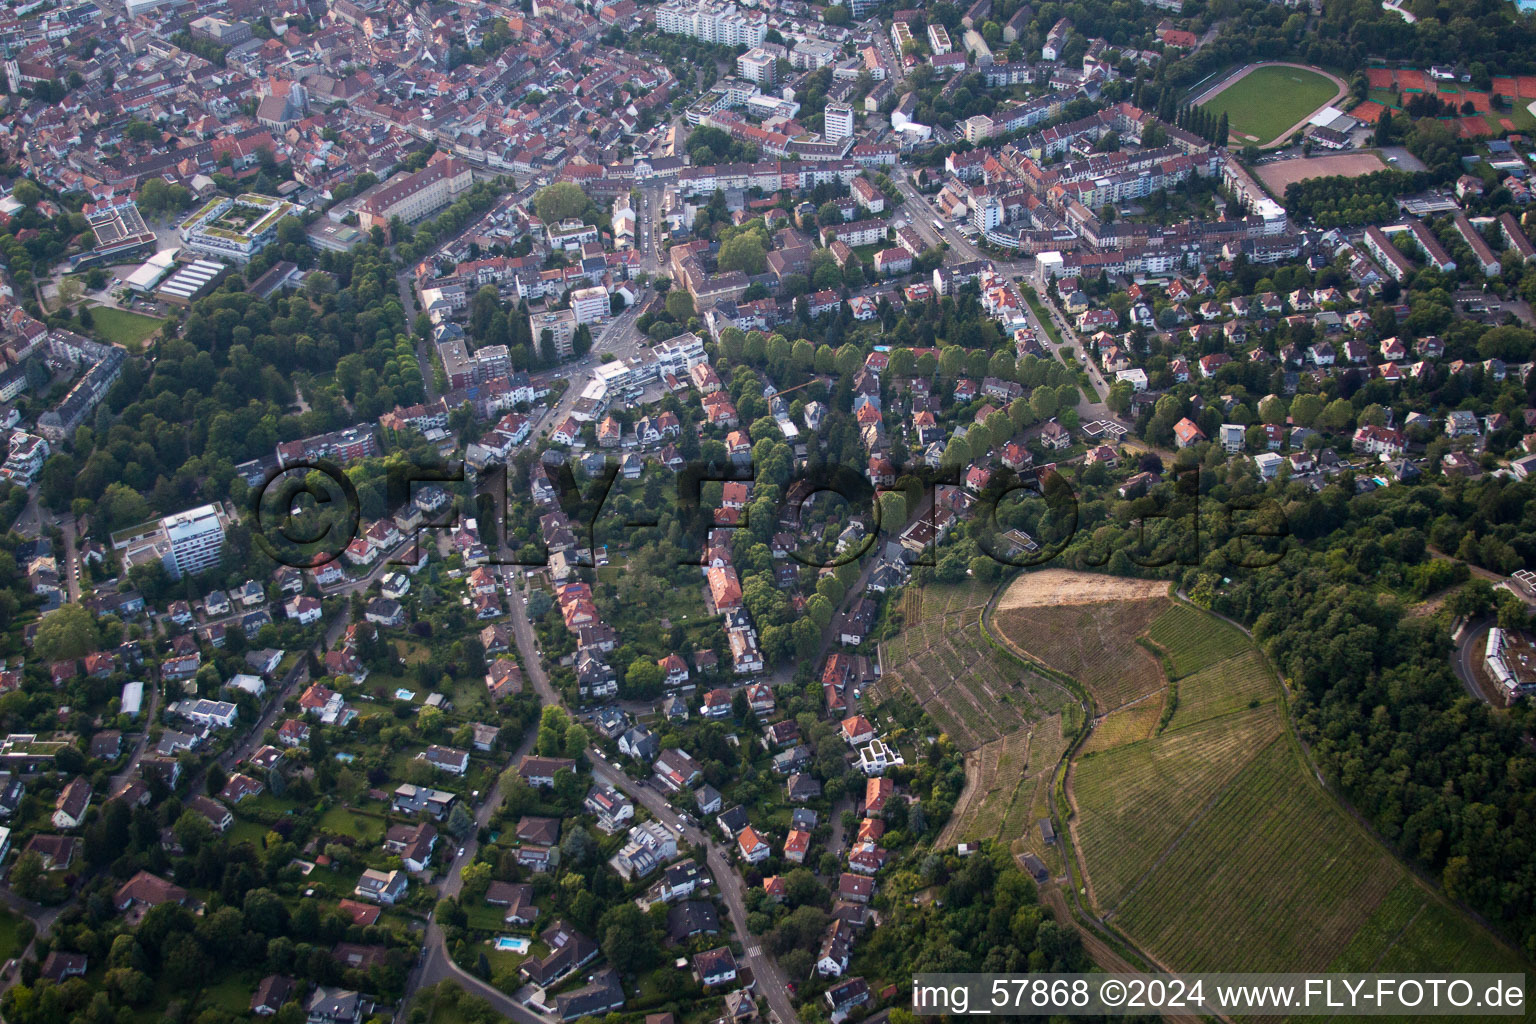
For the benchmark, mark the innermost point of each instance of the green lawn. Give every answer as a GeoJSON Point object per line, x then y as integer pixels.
{"type": "Point", "coordinates": [9, 944]}
{"type": "Point", "coordinates": [232, 995]}
{"type": "Point", "coordinates": [121, 327]}
{"type": "Point", "coordinates": [252, 832]}
{"type": "Point", "coordinates": [1266, 102]}
{"type": "Point", "coordinates": [344, 822]}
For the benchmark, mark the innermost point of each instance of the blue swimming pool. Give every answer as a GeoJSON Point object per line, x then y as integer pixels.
{"type": "Point", "coordinates": [512, 944]}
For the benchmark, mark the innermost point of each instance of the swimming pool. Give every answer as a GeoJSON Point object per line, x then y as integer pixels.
{"type": "Point", "coordinates": [512, 944]}
{"type": "Point", "coordinates": [404, 694]}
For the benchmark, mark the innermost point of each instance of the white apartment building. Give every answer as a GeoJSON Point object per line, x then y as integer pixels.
{"type": "Point", "coordinates": [837, 122]}
{"type": "Point", "coordinates": [680, 354]}
{"type": "Point", "coordinates": [236, 229]}
{"type": "Point", "coordinates": [757, 65]}
{"type": "Point", "coordinates": [725, 24]}
{"type": "Point", "coordinates": [196, 536]}
{"type": "Point", "coordinates": [590, 304]}
{"type": "Point", "coordinates": [185, 543]}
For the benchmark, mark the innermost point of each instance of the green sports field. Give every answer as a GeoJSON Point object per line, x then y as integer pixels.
{"type": "Point", "coordinates": [1268, 101]}
{"type": "Point", "coordinates": [122, 327]}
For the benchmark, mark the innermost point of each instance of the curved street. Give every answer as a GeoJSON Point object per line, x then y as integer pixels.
{"type": "Point", "coordinates": [436, 965]}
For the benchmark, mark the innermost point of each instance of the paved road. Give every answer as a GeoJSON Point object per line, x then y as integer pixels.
{"type": "Point", "coordinates": [770, 979]}
{"type": "Point", "coordinates": [435, 964]}
{"type": "Point", "coordinates": [618, 336]}
{"type": "Point", "coordinates": [405, 282]}
{"type": "Point", "coordinates": [1464, 657]}
{"type": "Point", "coordinates": [149, 715]}
{"type": "Point", "coordinates": [70, 567]}
{"type": "Point", "coordinates": [1087, 410]}
{"type": "Point", "coordinates": [728, 883]}
{"type": "Point", "coordinates": [296, 677]}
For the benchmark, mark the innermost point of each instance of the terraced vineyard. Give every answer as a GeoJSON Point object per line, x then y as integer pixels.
{"type": "Point", "coordinates": [976, 694]}
{"type": "Point", "coordinates": [1093, 643]}
{"type": "Point", "coordinates": [1223, 688]}
{"type": "Point", "coordinates": [1134, 800]}
{"type": "Point", "coordinates": [1032, 800]}
{"type": "Point", "coordinates": [1208, 843]}
{"type": "Point", "coordinates": [1003, 715]}
{"type": "Point", "coordinates": [1192, 639]}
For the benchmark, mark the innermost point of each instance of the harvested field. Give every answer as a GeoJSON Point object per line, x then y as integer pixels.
{"type": "Point", "coordinates": [1063, 586]}
{"type": "Point", "coordinates": [1278, 175]}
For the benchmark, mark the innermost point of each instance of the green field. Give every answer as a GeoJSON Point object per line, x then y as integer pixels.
{"type": "Point", "coordinates": [1208, 844]}
{"type": "Point", "coordinates": [1135, 799]}
{"type": "Point", "coordinates": [1231, 685]}
{"type": "Point", "coordinates": [1193, 640]}
{"type": "Point", "coordinates": [121, 327]}
{"type": "Point", "coordinates": [1267, 101]}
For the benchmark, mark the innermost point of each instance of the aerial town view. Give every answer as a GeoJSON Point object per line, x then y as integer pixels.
{"type": "Point", "coordinates": [713, 511]}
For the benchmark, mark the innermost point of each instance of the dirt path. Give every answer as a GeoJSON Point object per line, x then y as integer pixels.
{"type": "Point", "coordinates": [1069, 787]}
{"type": "Point", "coordinates": [957, 816]}
{"type": "Point", "coordinates": [1341, 89]}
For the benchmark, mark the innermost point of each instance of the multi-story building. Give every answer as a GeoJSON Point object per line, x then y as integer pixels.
{"type": "Point", "coordinates": [416, 195]}
{"type": "Point", "coordinates": [757, 65]}
{"type": "Point", "coordinates": [347, 445]}
{"type": "Point", "coordinates": [464, 370]}
{"type": "Point", "coordinates": [235, 229]}
{"type": "Point", "coordinates": [106, 365]}
{"type": "Point", "coordinates": [1377, 243]}
{"type": "Point", "coordinates": [1056, 40]}
{"type": "Point", "coordinates": [561, 324]}
{"type": "Point", "coordinates": [196, 536]}
{"type": "Point", "coordinates": [679, 355]}
{"type": "Point", "coordinates": [186, 543]}
{"type": "Point", "coordinates": [837, 122]}
{"type": "Point", "coordinates": [724, 24]}
{"type": "Point", "coordinates": [590, 304]}
{"type": "Point", "coordinates": [224, 33]}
